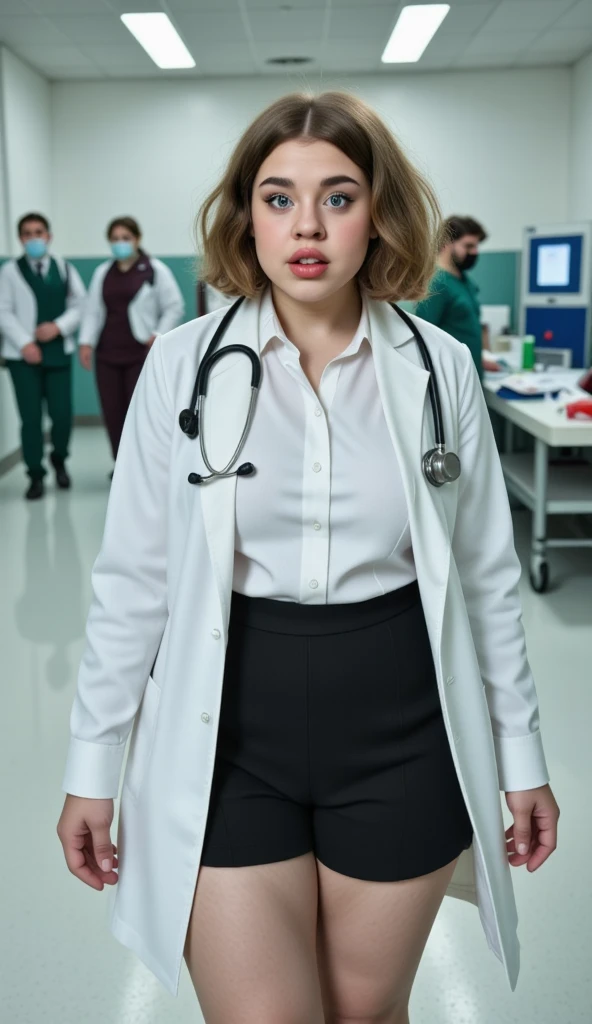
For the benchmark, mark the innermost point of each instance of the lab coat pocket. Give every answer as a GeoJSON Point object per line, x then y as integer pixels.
{"type": "Point", "coordinates": [142, 739]}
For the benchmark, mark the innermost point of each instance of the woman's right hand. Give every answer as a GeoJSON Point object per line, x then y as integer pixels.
{"type": "Point", "coordinates": [84, 829]}
{"type": "Point", "coordinates": [85, 353]}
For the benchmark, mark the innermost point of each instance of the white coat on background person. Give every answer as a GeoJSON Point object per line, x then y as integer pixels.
{"type": "Point", "coordinates": [157, 628]}
{"type": "Point", "coordinates": [156, 309]}
{"type": "Point", "coordinates": [18, 309]}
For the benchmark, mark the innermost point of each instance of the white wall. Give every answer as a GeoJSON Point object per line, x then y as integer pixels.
{"type": "Point", "coordinates": [495, 144]}
{"type": "Point", "coordinates": [26, 97]}
{"type": "Point", "coordinates": [580, 206]}
{"type": "Point", "coordinates": [25, 179]}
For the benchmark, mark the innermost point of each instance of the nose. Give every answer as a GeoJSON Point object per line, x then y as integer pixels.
{"type": "Point", "coordinates": [308, 223]}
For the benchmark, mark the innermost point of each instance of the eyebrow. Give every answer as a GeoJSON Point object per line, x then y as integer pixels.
{"type": "Point", "coordinates": [337, 179]}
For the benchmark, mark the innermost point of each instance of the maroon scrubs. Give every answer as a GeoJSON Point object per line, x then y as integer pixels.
{"type": "Point", "coordinates": [119, 357]}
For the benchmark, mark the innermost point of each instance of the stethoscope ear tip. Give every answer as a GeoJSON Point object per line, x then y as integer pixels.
{"type": "Point", "coordinates": [189, 423]}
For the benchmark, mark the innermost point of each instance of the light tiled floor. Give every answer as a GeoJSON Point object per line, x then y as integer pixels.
{"type": "Point", "coordinates": [58, 962]}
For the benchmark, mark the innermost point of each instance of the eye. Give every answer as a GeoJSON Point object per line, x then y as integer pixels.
{"type": "Point", "coordinates": [339, 200]}
{"type": "Point", "coordinates": [279, 201]}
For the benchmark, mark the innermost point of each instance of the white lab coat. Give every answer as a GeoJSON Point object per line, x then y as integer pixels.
{"type": "Point", "coordinates": [18, 309]}
{"type": "Point", "coordinates": [158, 624]}
{"type": "Point", "coordinates": [155, 309]}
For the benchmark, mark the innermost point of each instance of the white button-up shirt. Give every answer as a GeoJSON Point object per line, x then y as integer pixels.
{"type": "Point", "coordinates": [324, 519]}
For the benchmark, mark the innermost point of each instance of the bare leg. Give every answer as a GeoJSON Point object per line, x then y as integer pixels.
{"type": "Point", "coordinates": [251, 944]}
{"type": "Point", "coordinates": [371, 937]}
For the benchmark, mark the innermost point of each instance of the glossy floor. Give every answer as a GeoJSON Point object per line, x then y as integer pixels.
{"type": "Point", "coordinates": [58, 962]}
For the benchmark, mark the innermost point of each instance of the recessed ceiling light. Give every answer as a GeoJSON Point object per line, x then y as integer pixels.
{"type": "Point", "coordinates": [415, 28]}
{"type": "Point", "coordinates": [162, 42]}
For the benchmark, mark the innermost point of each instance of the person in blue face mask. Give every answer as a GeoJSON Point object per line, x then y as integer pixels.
{"type": "Point", "coordinates": [41, 299]}
{"type": "Point", "coordinates": [132, 298]}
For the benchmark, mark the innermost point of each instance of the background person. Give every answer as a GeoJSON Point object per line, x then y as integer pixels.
{"type": "Point", "coordinates": [131, 299]}
{"type": "Point", "coordinates": [41, 299]}
{"type": "Point", "coordinates": [453, 297]}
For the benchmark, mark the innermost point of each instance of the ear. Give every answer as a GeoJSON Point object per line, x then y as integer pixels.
{"type": "Point", "coordinates": [373, 231]}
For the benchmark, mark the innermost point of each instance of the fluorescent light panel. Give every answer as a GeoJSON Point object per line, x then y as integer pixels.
{"type": "Point", "coordinates": [415, 28]}
{"type": "Point", "coordinates": [155, 32]}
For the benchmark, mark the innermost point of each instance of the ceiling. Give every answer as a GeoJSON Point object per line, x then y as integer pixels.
{"type": "Point", "coordinates": [84, 39]}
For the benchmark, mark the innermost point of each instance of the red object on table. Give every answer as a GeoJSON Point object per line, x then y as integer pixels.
{"type": "Point", "coordinates": [580, 409]}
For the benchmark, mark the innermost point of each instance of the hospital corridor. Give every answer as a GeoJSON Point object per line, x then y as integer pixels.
{"type": "Point", "coordinates": [296, 511]}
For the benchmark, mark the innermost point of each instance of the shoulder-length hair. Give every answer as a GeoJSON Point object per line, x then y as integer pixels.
{"type": "Point", "coordinates": [404, 208]}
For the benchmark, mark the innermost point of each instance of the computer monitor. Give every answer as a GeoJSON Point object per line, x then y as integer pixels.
{"type": "Point", "coordinates": [556, 265]}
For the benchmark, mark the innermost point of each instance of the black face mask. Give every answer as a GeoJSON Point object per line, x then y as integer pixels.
{"type": "Point", "coordinates": [468, 261]}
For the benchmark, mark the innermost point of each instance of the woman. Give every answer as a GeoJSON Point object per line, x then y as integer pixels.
{"type": "Point", "coordinates": [132, 298]}
{"type": "Point", "coordinates": [328, 661]}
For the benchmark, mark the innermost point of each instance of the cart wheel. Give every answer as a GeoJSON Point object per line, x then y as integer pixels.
{"type": "Point", "coordinates": [539, 577]}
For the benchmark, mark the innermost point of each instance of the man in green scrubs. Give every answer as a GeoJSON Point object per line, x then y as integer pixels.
{"type": "Point", "coordinates": [41, 301]}
{"type": "Point", "coordinates": [453, 298]}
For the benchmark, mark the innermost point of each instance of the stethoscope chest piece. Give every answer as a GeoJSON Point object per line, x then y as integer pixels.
{"type": "Point", "coordinates": [441, 467]}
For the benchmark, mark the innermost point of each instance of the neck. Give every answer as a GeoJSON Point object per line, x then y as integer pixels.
{"type": "Point", "coordinates": [323, 324]}
{"type": "Point", "coordinates": [445, 262]}
{"type": "Point", "coordinates": [127, 264]}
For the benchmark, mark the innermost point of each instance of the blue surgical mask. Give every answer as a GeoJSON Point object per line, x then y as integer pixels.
{"type": "Point", "coordinates": [122, 250]}
{"type": "Point", "coordinates": [36, 248]}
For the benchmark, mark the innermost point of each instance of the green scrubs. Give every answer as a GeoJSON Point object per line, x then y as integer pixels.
{"type": "Point", "coordinates": [50, 380]}
{"type": "Point", "coordinates": [453, 305]}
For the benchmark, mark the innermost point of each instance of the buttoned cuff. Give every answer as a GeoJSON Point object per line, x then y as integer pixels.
{"type": "Point", "coordinates": [521, 762]}
{"type": "Point", "coordinates": [93, 769]}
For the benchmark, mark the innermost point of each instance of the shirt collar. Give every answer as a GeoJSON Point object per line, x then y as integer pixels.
{"type": "Point", "coordinates": [44, 261]}
{"type": "Point", "coordinates": [270, 329]}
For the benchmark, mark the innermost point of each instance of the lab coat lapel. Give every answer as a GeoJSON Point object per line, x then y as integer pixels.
{"type": "Point", "coordinates": [403, 387]}
{"type": "Point", "coordinates": [225, 414]}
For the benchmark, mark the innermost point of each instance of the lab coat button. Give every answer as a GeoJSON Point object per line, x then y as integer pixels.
{"type": "Point", "coordinates": [216, 634]}
{"type": "Point", "coordinates": [316, 526]}
{"type": "Point", "coordinates": [205, 717]}
{"type": "Point", "coordinates": [317, 467]}
{"type": "Point", "coordinates": [450, 680]}
{"type": "Point", "coordinates": [313, 584]}
{"type": "Point", "coordinates": [318, 412]}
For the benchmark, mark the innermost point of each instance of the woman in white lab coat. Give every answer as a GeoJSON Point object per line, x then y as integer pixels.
{"type": "Point", "coordinates": [323, 663]}
{"type": "Point", "coordinates": [132, 298]}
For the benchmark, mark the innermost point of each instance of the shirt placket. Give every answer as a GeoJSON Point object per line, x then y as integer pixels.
{"type": "Point", "coordinates": [316, 484]}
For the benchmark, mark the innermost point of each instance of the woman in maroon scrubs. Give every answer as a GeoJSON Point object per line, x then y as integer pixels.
{"type": "Point", "coordinates": [132, 298]}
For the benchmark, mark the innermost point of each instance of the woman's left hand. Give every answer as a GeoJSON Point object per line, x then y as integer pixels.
{"type": "Point", "coordinates": [535, 814]}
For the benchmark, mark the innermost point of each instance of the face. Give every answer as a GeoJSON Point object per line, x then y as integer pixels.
{"type": "Point", "coordinates": [310, 202]}
{"type": "Point", "coordinates": [121, 234]}
{"type": "Point", "coordinates": [34, 229]}
{"type": "Point", "coordinates": [468, 245]}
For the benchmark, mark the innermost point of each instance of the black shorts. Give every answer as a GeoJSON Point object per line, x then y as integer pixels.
{"type": "Point", "coordinates": [331, 740]}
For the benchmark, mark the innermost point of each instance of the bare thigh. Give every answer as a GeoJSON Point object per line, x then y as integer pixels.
{"type": "Point", "coordinates": [251, 944]}
{"type": "Point", "coordinates": [371, 937]}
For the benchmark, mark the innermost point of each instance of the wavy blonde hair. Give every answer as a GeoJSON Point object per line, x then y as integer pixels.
{"type": "Point", "coordinates": [404, 208]}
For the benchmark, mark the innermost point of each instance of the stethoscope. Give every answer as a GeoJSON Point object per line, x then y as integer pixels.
{"type": "Point", "coordinates": [439, 466]}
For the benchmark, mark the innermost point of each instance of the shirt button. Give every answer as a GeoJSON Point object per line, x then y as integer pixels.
{"type": "Point", "coordinates": [313, 584]}
{"type": "Point", "coordinates": [317, 467]}
{"type": "Point", "coordinates": [216, 634]}
{"type": "Point", "coordinates": [316, 526]}
{"type": "Point", "coordinates": [318, 412]}
{"type": "Point", "coordinates": [205, 717]}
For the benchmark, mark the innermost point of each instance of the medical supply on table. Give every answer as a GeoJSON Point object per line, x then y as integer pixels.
{"type": "Point", "coordinates": [439, 466]}
{"type": "Point", "coordinates": [581, 409]}
{"type": "Point", "coordinates": [528, 352]}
